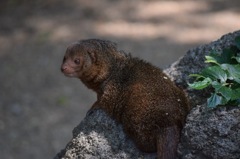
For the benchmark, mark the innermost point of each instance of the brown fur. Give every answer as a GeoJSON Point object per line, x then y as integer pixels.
{"type": "Point", "coordinates": [135, 93]}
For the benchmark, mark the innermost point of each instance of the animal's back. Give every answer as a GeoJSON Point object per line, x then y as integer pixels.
{"type": "Point", "coordinates": [152, 102]}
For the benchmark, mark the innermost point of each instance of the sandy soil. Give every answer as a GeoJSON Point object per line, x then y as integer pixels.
{"type": "Point", "coordinates": [39, 107]}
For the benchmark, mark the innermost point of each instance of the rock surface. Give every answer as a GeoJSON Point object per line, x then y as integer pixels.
{"type": "Point", "coordinates": [211, 134]}
{"type": "Point", "coordinates": [98, 136]}
{"type": "Point", "coordinates": [208, 134]}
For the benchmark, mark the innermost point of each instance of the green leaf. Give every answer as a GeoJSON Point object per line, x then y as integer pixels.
{"type": "Point", "coordinates": [237, 58]}
{"type": "Point", "coordinates": [223, 75]}
{"type": "Point", "coordinates": [215, 56]}
{"type": "Point", "coordinates": [234, 84]}
{"type": "Point", "coordinates": [196, 75]}
{"type": "Point", "coordinates": [233, 71]}
{"type": "Point", "coordinates": [236, 94]}
{"type": "Point", "coordinates": [215, 73]}
{"type": "Point", "coordinates": [235, 51]}
{"type": "Point", "coordinates": [200, 84]}
{"type": "Point", "coordinates": [224, 57]}
{"type": "Point", "coordinates": [216, 85]}
{"type": "Point", "coordinates": [215, 100]}
{"type": "Point", "coordinates": [237, 42]}
{"type": "Point", "coordinates": [226, 92]}
{"type": "Point", "coordinates": [210, 59]}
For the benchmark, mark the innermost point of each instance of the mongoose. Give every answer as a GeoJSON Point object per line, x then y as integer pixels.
{"type": "Point", "coordinates": [135, 93]}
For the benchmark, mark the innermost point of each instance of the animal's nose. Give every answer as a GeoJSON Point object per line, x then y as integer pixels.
{"type": "Point", "coordinates": [63, 68]}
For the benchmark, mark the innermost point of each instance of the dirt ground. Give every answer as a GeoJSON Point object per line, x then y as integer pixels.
{"type": "Point", "coordinates": [39, 107]}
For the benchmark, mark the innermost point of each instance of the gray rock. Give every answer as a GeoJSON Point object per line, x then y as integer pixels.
{"type": "Point", "coordinates": [98, 136]}
{"type": "Point", "coordinates": [208, 134]}
{"type": "Point", "coordinates": [211, 134]}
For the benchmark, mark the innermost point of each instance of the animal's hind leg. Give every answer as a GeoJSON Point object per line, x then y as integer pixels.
{"type": "Point", "coordinates": [167, 141]}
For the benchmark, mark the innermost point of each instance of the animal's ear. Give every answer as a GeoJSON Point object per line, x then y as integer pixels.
{"type": "Point", "coordinates": [94, 49]}
{"type": "Point", "coordinates": [92, 55]}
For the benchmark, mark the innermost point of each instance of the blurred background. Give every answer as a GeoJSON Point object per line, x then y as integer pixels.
{"type": "Point", "coordinates": [39, 106]}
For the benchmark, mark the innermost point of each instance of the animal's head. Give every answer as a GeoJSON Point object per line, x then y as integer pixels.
{"type": "Point", "coordinates": [78, 59]}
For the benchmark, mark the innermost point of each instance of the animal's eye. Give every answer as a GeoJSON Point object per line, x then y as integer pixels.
{"type": "Point", "coordinates": [77, 61]}
{"type": "Point", "coordinates": [64, 59]}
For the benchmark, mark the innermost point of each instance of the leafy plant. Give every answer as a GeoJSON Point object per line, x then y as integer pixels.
{"type": "Point", "coordinates": [223, 75]}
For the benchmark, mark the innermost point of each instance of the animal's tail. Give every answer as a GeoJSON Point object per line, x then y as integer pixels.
{"type": "Point", "coordinates": [167, 142]}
